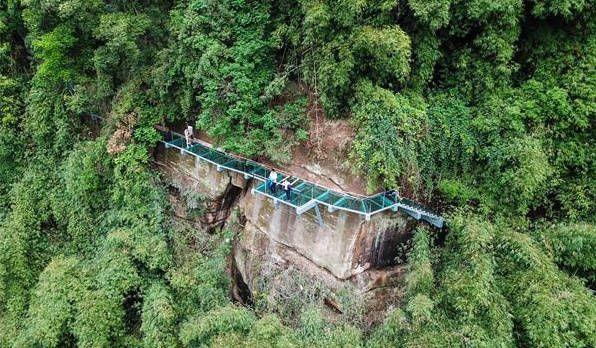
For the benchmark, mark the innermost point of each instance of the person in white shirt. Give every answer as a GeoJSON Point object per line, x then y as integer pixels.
{"type": "Point", "coordinates": [272, 181]}
{"type": "Point", "coordinates": [287, 187]}
{"type": "Point", "coordinates": [188, 133]}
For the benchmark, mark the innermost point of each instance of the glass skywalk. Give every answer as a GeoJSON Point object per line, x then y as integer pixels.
{"type": "Point", "coordinates": [304, 194]}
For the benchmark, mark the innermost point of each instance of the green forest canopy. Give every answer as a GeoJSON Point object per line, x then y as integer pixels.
{"type": "Point", "coordinates": [483, 108]}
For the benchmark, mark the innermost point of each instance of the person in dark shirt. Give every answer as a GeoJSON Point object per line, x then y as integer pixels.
{"type": "Point", "coordinates": [391, 195]}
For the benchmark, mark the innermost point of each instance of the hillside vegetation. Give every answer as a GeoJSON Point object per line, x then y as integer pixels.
{"type": "Point", "coordinates": [483, 109]}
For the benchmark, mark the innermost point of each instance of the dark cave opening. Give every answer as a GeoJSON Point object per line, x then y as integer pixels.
{"type": "Point", "coordinates": [240, 291]}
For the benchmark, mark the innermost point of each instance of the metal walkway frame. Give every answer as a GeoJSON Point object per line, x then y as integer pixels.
{"type": "Point", "coordinates": [305, 195]}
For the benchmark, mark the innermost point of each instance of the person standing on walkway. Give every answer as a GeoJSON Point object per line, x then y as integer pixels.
{"type": "Point", "coordinates": [272, 181]}
{"type": "Point", "coordinates": [392, 194]}
{"type": "Point", "coordinates": [188, 134]}
{"type": "Point", "coordinates": [287, 186]}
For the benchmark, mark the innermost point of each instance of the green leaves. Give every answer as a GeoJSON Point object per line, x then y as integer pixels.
{"type": "Point", "coordinates": [480, 312]}
{"type": "Point", "coordinates": [523, 170]}
{"type": "Point", "coordinates": [571, 246]}
{"type": "Point", "coordinates": [159, 317]}
{"type": "Point", "coordinates": [48, 121]}
{"type": "Point", "coordinates": [340, 48]}
{"type": "Point", "coordinates": [221, 321]}
{"type": "Point", "coordinates": [52, 308]}
{"type": "Point", "coordinates": [566, 8]}
{"type": "Point", "coordinates": [53, 51]}
{"type": "Point", "coordinates": [85, 176]}
{"type": "Point", "coordinates": [420, 278]}
{"type": "Point", "coordinates": [388, 127]}
{"type": "Point", "coordinates": [386, 51]}
{"type": "Point", "coordinates": [552, 308]}
{"type": "Point", "coordinates": [318, 332]}
{"type": "Point", "coordinates": [434, 13]}
{"type": "Point", "coordinates": [121, 57]}
{"type": "Point", "coordinates": [11, 141]}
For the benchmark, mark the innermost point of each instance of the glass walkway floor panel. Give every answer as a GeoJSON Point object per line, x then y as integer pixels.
{"type": "Point", "coordinates": [179, 142]}
{"type": "Point", "coordinates": [305, 195]}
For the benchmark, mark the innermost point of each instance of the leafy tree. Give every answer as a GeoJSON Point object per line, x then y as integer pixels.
{"type": "Point", "coordinates": [11, 143]}
{"type": "Point", "coordinates": [52, 308]}
{"type": "Point", "coordinates": [220, 68]}
{"type": "Point", "coordinates": [567, 9]}
{"type": "Point", "coordinates": [420, 278]}
{"type": "Point", "coordinates": [84, 179]}
{"type": "Point", "coordinates": [550, 307]}
{"type": "Point", "coordinates": [571, 246]}
{"type": "Point", "coordinates": [434, 13]}
{"type": "Point", "coordinates": [229, 319]}
{"type": "Point", "coordinates": [470, 296]}
{"type": "Point", "coordinates": [316, 331]}
{"type": "Point", "coordinates": [49, 123]}
{"type": "Point", "coordinates": [200, 281]}
{"type": "Point", "coordinates": [159, 317]}
{"type": "Point", "coordinates": [388, 126]}
{"type": "Point", "coordinates": [119, 59]}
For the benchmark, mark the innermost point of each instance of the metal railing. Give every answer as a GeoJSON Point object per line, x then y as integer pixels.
{"type": "Point", "coordinates": [304, 195]}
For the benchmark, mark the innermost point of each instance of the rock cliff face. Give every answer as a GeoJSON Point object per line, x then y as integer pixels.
{"type": "Point", "coordinates": [344, 249]}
